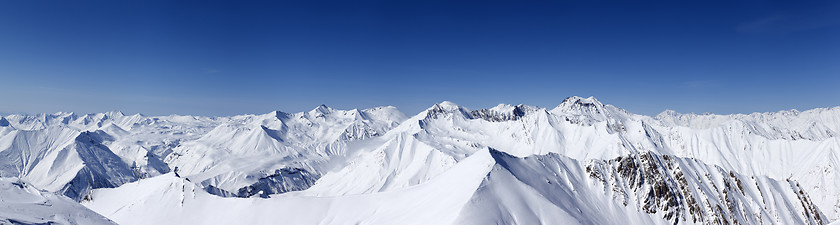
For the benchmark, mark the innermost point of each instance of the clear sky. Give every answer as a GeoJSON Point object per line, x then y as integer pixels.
{"type": "Point", "coordinates": [237, 57]}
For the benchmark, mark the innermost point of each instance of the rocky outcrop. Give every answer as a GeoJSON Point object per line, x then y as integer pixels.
{"type": "Point", "coordinates": [686, 190]}
{"type": "Point", "coordinates": [281, 181]}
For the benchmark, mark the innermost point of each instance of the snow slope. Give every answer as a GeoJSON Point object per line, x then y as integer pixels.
{"type": "Point", "coordinates": [582, 161]}
{"type": "Point", "coordinates": [23, 204]}
{"type": "Point", "coordinates": [585, 129]}
{"type": "Point", "coordinates": [61, 160]}
{"type": "Point", "coordinates": [492, 187]}
{"type": "Point", "coordinates": [237, 155]}
{"type": "Point", "coordinates": [72, 154]}
{"type": "Point", "coordinates": [174, 200]}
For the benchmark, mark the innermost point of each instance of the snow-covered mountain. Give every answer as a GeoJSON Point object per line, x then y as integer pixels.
{"type": "Point", "coordinates": [580, 162]}
{"type": "Point", "coordinates": [276, 152]}
{"type": "Point", "coordinates": [23, 204]}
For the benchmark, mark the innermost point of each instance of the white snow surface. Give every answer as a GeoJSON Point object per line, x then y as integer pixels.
{"type": "Point", "coordinates": [581, 162]}
{"type": "Point", "coordinates": [24, 204]}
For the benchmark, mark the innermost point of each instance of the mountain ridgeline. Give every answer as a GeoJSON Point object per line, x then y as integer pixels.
{"type": "Point", "coordinates": [581, 162]}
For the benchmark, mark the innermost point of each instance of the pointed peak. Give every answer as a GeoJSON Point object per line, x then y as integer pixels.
{"type": "Point", "coordinates": [447, 104]}
{"type": "Point", "coordinates": [322, 109]}
{"type": "Point", "coordinates": [356, 113]}
{"type": "Point", "coordinates": [112, 127]}
{"type": "Point", "coordinates": [115, 113]}
{"type": "Point", "coordinates": [500, 157]}
{"type": "Point", "coordinates": [445, 107]}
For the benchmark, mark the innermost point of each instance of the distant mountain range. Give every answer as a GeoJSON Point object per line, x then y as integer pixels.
{"type": "Point", "coordinates": [581, 162]}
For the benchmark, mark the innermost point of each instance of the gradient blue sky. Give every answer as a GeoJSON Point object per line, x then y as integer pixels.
{"type": "Point", "coordinates": [225, 58]}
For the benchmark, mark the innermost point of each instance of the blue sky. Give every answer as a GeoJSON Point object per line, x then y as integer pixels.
{"type": "Point", "coordinates": [226, 57]}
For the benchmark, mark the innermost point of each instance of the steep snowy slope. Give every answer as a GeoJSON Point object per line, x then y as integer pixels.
{"type": "Point", "coordinates": [643, 188]}
{"type": "Point", "coordinates": [61, 160]}
{"type": "Point", "coordinates": [419, 149]}
{"type": "Point", "coordinates": [492, 187]}
{"type": "Point", "coordinates": [168, 199]}
{"type": "Point", "coordinates": [258, 154]}
{"type": "Point", "coordinates": [583, 129]}
{"type": "Point", "coordinates": [140, 142]}
{"type": "Point", "coordinates": [72, 154]}
{"type": "Point", "coordinates": [800, 146]}
{"type": "Point", "coordinates": [439, 137]}
{"type": "Point", "coordinates": [23, 204]}
{"type": "Point", "coordinates": [56, 153]}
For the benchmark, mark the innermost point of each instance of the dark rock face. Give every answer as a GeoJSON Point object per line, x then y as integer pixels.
{"type": "Point", "coordinates": [103, 168]}
{"type": "Point", "coordinates": [358, 131]}
{"type": "Point", "coordinates": [218, 191]}
{"type": "Point", "coordinates": [493, 116]}
{"type": "Point", "coordinates": [4, 122]}
{"type": "Point", "coordinates": [438, 111]}
{"type": "Point", "coordinates": [152, 162]}
{"type": "Point", "coordinates": [678, 190]}
{"type": "Point", "coordinates": [518, 111]}
{"type": "Point", "coordinates": [687, 190]}
{"type": "Point", "coordinates": [283, 180]}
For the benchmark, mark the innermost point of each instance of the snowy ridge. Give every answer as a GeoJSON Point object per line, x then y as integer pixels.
{"type": "Point", "coordinates": [777, 168]}
{"type": "Point", "coordinates": [249, 149]}
{"type": "Point", "coordinates": [61, 160]}
{"type": "Point", "coordinates": [682, 189]}
{"type": "Point", "coordinates": [815, 124]}
{"type": "Point", "coordinates": [80, 122]}
{"type": "Point", "coordinates": [63, 152]}
{"type": "Point", "coordinates": [500, 189]}
{"type": "Point", "coordinates": [23, 204]}
{"type": "Point", "coordinates": [640, 189]}
{"type": "Point", "coordinates": [175, 200]}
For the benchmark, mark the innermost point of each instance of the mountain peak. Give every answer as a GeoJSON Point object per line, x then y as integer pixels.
{"type": "Point", "coordinates": [447, 105]}
{"type": "Point", "coordinates": [115, 113]}
{"type": "Point", "coordinates": [444, 106]}
{"type": "Point", "coordinates": [321, 110]}
{"type": "Point", "coordinates": [580, 105]}
{"type": "Point", "coordinates": [576, 100]}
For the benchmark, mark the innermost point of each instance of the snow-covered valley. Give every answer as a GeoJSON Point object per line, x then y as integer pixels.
{"type": "Point", "coordinates": [581, 162]}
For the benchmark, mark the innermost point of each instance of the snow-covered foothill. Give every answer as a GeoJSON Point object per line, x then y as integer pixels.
{"type": "Point", "coordinates": [21, 203]}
